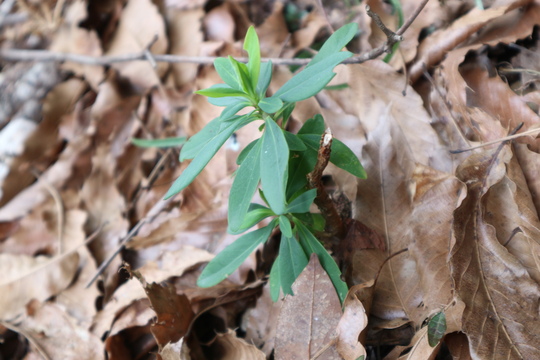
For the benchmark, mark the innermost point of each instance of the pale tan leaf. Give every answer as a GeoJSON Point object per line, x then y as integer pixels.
{"type": "Point", "coordinates": [26, 278]}
{"type": "Point", "coordinates": [233, 348]}
{"type": "Point", "coordinates": [59, 334]}
{"type": "Point", "coordinates": [351, 324]}
{"type": "Point", "coordinates": [176, 351]}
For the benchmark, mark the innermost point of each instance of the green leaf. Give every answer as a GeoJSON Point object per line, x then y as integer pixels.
{"type": "Point", "coordinates": [285, 113]}
{"type": "Point", "coordinates": [341, 155]}
{"type": "Point", "coordinates": [274, 166]}
{"type": "Point", "coordinates": [312, 79]}
{"type": "Point", "coordinates": [292, 260]}
{"type": "Point", "coordinates": [436, 328]}
{"type": "Point", "coordinates": [295, 144]}
{"type": "Point", "coordinates": [246, 151]}
{"type": "Point", "coordinates": [220, 91]}
{"type": "Point", "coordinates": [335, 43]}
{"type": "Point", "coordinates": [244, 185]}
{"type": "Point", "coordinates": [270, 105]}
{"type": "Point", "coordinates": [285, 226]}
{"type": "Point", "coordinates": [311, 245]}
{"type": "Point", "coordinates": [300, 165]}
{"type": "Point", "coordinates": [159, 143]}
{"type": "Point", "coordinates": [204, 156]}
{"type": "Point", "coordinates": [226, 71]}
{"type": "Point", "coordinates": [231, 110]}
{"type": "Point", "coordinates": [255, 214]}
{"type": "Point", "coordinates": [275, 280]}
{"type": "Point", "coordinates": [314, 222]}
{"type": "Point", "coordinates": [199, 140]}
{"type": "Point", "coordinates": [265, 76]}
{"type": "Point", "coordinates": [315, 125]}
{"type": "Point", "coordinates": [243, 76]}
{"type": "Point", "coordinates": [302, 203]}
{"type": "Point", "coordinates": [251, 45]}
{"type": "Point", "coordinates": [337, 86]}
{"type": "Point", "coordinates": [228, 260]}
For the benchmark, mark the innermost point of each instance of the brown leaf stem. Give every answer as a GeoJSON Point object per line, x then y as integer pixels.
{"type": "Point", "coordinates": [323, 201]}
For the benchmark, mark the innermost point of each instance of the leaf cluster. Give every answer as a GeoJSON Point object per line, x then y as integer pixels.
{"type": "Point", "coordinates": [276, 164]}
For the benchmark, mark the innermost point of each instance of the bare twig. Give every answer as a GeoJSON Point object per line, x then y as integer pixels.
{"type": "Point", "coordinates": [504, 139]}
{"type": "Point", "coordinates": [50, 56]}
{"type": "Point", "coordinates": [152, 213]}
{"type": "Point", "coordinates": [392, 36]}
{"type": "Point", "coordinates": [323, 200]}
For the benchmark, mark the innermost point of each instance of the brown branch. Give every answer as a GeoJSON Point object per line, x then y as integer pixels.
{"type": "Point", "coordinates": [323, 201]}
{"type": "Point", "coordinates": [50, 56]}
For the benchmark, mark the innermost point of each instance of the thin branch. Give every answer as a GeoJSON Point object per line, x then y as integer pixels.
{"type": "Point", "coordinates": [50, 56]}
{"type": "Point", "coordinates": [507, 138]}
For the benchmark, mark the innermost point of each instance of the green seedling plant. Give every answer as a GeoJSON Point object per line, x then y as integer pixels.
{"type": "Point", "coordinates": [276, 164]}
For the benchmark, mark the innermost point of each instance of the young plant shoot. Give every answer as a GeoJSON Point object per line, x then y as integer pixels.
{"type": "Point", "coordinates": [276, 164]}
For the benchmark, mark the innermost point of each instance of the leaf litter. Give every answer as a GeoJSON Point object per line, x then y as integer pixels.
{"type": "Point", "coordinates": [432, 232]}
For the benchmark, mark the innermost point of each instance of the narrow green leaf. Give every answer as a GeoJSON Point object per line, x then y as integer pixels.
{"type": "Point", "coordinates": [312, 79]}
{"type": "Point", "coordinates": [226, 71]}
{"type": "Point", "coordinates": [195, 143]}
{"type": "Point", "coordinates": [228, 260]}
{"type": "Point", "coordinates": [436, 328]}
{"type": "Point", "coordinates": [251, 45]}
{"type": "Point", "coordinates": [302, 203]}
{"type": "Point", "coordinates": [292, 260]}
{"type": "Point", "coordinates": [274, 166]}
{"type": "Point", "coordinates": [225, 101]}
{"type": "Point", "coordinates": [231, 110]}
{"type": "Point", "coordinates": [337, 87]}
{"type": "Point", "coordinates": [315, 125]}
{"type": "Point", "coordinates": [314, 222]}
{"type": "Point", "coordinates": [243, 76]}
{"type": "Point", "coordinates": [341, 155]}
{"type": "Point", "coordinates": [275, 280]}
{"type": "Point", "coordinates": [300, 164]}
{"type": "Point", "coordinates": [311, 245]}
{"type": "Point", "coordinates": [295, 144]}
{"type": "Point", "coordinates": [245, 151]}
{"type": "Point", "coordinates": [159, 143]}
{"type": "Point", "coordinates": [270, 105]}
{"type": "Point", "coordinates": [255, 214]}
{"type": "Point", "coordinates": [244, 185]}
{"type": "Point", "coordinates": [217, 92]}
{"type": "Point", "coordinates": [285, 113]}
{"type": "Point", "coordinates": [265, 76]}
{"type": "Point", "coordinates": [204, 156]}
{"type": "Point", "coordinates": [285, 226]}
{"type": "Point", "coordinates": [335, 43]}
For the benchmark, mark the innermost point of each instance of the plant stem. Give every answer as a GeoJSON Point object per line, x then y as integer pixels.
{"type": "Point", "coordinates": [334, 223]}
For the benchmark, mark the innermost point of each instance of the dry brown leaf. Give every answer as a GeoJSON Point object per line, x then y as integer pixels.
{"type": "Point", "coordinates": [432, 50]}
{"type": "Point", "coordinates": [174, 313]}
{"type": "Point", "coordinates": [501, 314]}
{"type": "Point", "coordinates": [308, 319]}
{"type": "Point", "coordinates": [228, 346]}
{"type": "Point", "coordinates": [26, 278]}
{"type": "Point", "coordinates": [174, 263]}
{"type": "Point", "coordinates": [59, 335]}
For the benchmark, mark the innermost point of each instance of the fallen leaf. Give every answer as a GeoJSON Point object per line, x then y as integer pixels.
{"type": "Point", "coordinates": [308, 319]}
{"type": "Point", "coordinates": [351, 324]}
{"type": "Point", "coordinates": [500, 296]}
{"type": "Point", "coordinates": [229, 347]}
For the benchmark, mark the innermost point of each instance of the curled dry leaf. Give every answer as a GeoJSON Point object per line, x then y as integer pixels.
{"type": "Point", "coordinates": [308, 319]}
{"type": "Point", "coordinates": [501, 314]}
{"type": "Point", "coordinates": [176, 351]}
